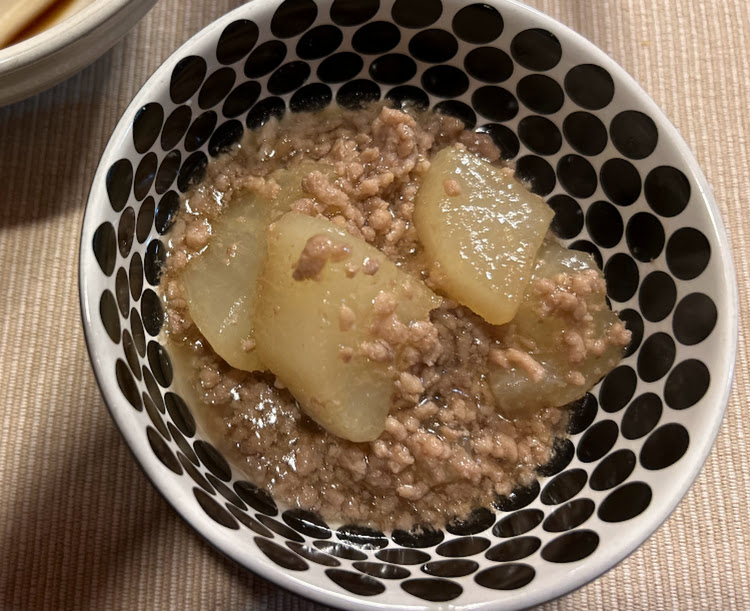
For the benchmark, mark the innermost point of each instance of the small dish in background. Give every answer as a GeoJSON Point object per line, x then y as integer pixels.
{"type": "Point", "coordinates": [60, 40]}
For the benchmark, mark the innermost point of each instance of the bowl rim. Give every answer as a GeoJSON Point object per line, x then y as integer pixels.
{"type": "Point", "coordinates": [610, 555]}
{"type": "Point", "coordinates": [60, 35]}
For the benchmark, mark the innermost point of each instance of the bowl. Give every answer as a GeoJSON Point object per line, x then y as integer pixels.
{"type": "Point", "coordinates": [624, 186]}
{"type": "Point", "coordinates": [82, 33]}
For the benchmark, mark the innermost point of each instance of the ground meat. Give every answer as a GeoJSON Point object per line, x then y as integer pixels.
{"type": "Point", "coordinates": [452, 187]}
{"type": "Point", "coordinates": [513, 357]}
{"type": "Point", "coordinates": [446, 449]}
{"type": "Point", "coordinates": [346, 318]}
{"type": "Point", "coordinates": [318, 250]}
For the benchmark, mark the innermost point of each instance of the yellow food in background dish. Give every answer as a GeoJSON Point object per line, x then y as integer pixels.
{"type": "Point", "coordinates": [22, 19]}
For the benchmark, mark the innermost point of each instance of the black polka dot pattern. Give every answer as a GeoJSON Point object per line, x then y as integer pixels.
{"type": "Point", "coordinates": [686, 384]}
{"type": "Point", "coordinates": [393, 69]}
{"type": "Point", "coordinates": [281, 555]}
{"type": "Point", "coordinates": [540, 93]}
{"type": "Point", "coordinates": [308, 98]}
{"type": "Point", "coordinates": [590, 86]}
{"type": "Point", "coordinates": [464, 546]}
{"type": "Point", "coordinates": [225, 137]}
{"type": "Point", "coordinates": [236, 41]}
{"type": "Point", "coordinates": [571, 547]}
{"type": "Point", "coordinates": [645, 236]}
{"type": "Point", "coordinates": [454, 108]}
{"type": "Point", "coordinates": [621, 181]}
{"type": "Point", "coordinates": [625, 503]}
{"type": "Point", "coordinates": [192, 171]}
{"type": "Point", "coordinates": [376, 37]}
{"type": "Point", "coordinates": [577, 176]}
{"type": "Point", "coordinates": [509, 576]}
{"type": "Point", "coordinates": [617, 388]}
{"type": "Point", "coordinates": [216, 87]}
{"type": "Point", "coordinates": [445, 81]}
{"type": "Point", "coordinates": [200, 131]}
{"type": "Point", "coordinates": [505, 139]}
{"type": "Point", "coordinates": [154, 414]}
{"type": "Point", "coordinates": [145, 219]}
{"type": "Point", "coordinates": [146, 126]}
{"type": "Point", "coordinates": [319, 42]}
{"type": "Point", "coordinates": [118, 182]}
{"type": "Point", "coordinates": [265, 58]}
{"type": "Point", "coordinates": [569, 516]}
{"type": "Point", "coordinates": [597, 441]}
{"type": "Point", "coordinates": [478, 23]}
{"type": "Point", "coordinates": [537, 173]}
{"type": "Point", "coordinates": [403, 556]}
{"type": "Point", "coordinates": [340, 551]}
{"type": "Point", "coordinates": [408, 96]}
{"type": "Point", "coordinates": [518, 499]}
{"type": "Point", "coordinates": [416, 15]}
{"type": "Point", "coordinates": [356, 94]}
{"type": "Point", "coordinates": [122, 291]}
{"type": "Point", "coordinates": [582, 413]}
{"type": "Point", "coordinates": [264, 110]}
{"type": "Point", "coordinates": [518, 523]}
{"type": "Point", "coordinates": [353, 12]}
{"type": "Point", "coordinates": [688, 253]}
{"type": "Point", "coordinates": [634, 323]}
{"type": "Point", "coordinates": [667, 190]}
{"type": "Point", "coordinates": [312, 554]}
{"type": "Point", "coordinates": [288, 77]}
{"type": "Point", "coordinates": [241, 99]}
{"type": "Point", "coordinates": [258, 498]}
{"type": "Point", "coordinates": [127, 384]}
{"type": "Point", "coordinates": [161, 450]}
{"type": "Point", "coordinates": [633, 134]}
{"type": "Point", "coordinates": [665, 446]}
{"type": "Point", "coordinates": [433, 590]}
{"type": "Point", "coordinates": [601, 164]}
{"type": "Point", "coordinates": [564, 486]}
{"type": "Point", "coordinates": [622, 275]}
{"type": "Point", "coordinates": [656, 357]}
{"type": "Point", "coordinates": [590, 248]}
{"type": "Point", "coordinates": [641, 416]}
{"type": "Point", "coordinates": [585, 133]}
{"type": "Point", "coordinates": [488, 64]}
{"type": "Point", "coordinates": [451, 568]}
{"type": "Point", "coordinates": [381, 570]}
{"type": "Point", "coordinates": [340, 67]}
{"type": "Point", "coordinates": [109, 315]}
{"type": "Point", "coordinates": [540, 135]}
{"type": "Point", "coordinates": [433, 46]}
{"type": "Point", "coordinates": [293, 17]}
{"type": "Point", "coordinates": [476, 522]}
{"type": "Point", "coordinates": [604, 224]}
{"type": "Point", "coordinates": [536, 49]}
{"type": "Point", "coordinates": [187, 78]}
{"type": "Point", "coordinates": [495, 103]}
{"type": "Point", "coordinates": [657, 296]}
{"type": "Point", "coordinates": [613, 470]}
{"type": "Point", "coordinates": [175, 127]}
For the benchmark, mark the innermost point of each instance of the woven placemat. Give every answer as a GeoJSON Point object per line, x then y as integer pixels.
{"type": "Point", "coordinates": [81, 527]}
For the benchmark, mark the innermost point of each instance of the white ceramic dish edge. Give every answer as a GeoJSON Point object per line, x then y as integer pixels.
{"type": "Point", "coordinates": [56, 54]}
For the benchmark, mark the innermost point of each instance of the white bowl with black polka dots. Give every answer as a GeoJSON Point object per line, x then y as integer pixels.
{"type": "Point", "coordinates": [624, 187]}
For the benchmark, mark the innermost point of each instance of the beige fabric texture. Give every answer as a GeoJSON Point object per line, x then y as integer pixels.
{"type": "Point", "coordinates": [82, 528]}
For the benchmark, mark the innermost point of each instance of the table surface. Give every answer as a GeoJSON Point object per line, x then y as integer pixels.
{"type": "Point", "coordinates": [82, 528]}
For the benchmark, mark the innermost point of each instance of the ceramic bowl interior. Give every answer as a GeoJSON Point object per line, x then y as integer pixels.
{"type": "Point", "coordinates": [624, 187]}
